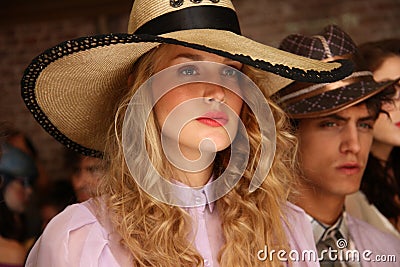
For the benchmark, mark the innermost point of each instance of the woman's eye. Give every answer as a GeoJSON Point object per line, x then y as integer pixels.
{"type": "Point", "coordinates": [189, 70]}
{"type": "Point", "coordinates": [397, 94]}
{"type": "Point", "coordinates": [229, 72]}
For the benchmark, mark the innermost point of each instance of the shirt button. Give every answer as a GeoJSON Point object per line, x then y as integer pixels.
{"type": "Point", "coordinates": [199, 200]}
{"type": "Point", "coordinates": [206, 262]}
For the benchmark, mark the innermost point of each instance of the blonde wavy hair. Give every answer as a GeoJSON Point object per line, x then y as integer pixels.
{"type": "Point", "coordinates": [157, 234]}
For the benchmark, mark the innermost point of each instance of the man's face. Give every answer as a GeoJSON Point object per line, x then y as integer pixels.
{"type": "Point", "coordinates": [334, 150]}
{"type": "Point", "coordinates": [86, 177]}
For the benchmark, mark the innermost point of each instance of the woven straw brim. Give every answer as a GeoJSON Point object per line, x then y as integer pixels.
{"type": "Point", "coordinates": [72, 88]}
{"type": "Point", "coordinates": [334, 101]}
{"type": "Point", "coordinates": [248, 51]}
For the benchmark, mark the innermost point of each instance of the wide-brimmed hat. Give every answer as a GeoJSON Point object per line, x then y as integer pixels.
{"type": "Point", "coordinates": [71, 89]}
{"type": "Point", "coordinates": [310, 100]}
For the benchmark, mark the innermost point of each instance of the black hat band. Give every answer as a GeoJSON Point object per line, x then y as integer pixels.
{"type": "Point", "coordinates": [201, 17]}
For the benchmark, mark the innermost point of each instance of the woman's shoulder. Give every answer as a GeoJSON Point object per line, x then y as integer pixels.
{"type": "Point", "coordinates": [72, 217]}
{"type": "Point", "coordinates": [292, 211]}
{"type": "Point", "coordinates": [298, 228]}
{"type": "Point", "coordinates": [75, 237]}
{"type": "Point", "coordinates": [71, 226]}
{"type": "Point", "coordinates": [12, 253]}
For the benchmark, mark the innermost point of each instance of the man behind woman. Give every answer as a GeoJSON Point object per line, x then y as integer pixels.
{"type": "Point", "coordinates": [334, 125]}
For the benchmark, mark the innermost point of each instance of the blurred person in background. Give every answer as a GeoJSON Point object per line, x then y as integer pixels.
{"type": "Point", "coordinates": [378, 202]}
{"type": "Point", "coordinates": [59, 195]}
{"type": "Point", "coordinates": [18, 172]}
{"type": "Point", "coordinates": [20, 140]}
{"type": "Point", "coordinates": [85, 174]}
{"type": "Point", "coordinates": [24, 143]}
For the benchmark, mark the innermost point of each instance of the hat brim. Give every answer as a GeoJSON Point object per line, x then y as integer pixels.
{"type": "Point", "coordinates": [72, 88]}
{"type": "Point", "coordinates": [334, 101]}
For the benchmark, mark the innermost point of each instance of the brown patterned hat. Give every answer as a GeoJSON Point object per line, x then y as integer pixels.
{"type": "Point", "coordinates": [309, 100]}
{"type": "Point", "coordinates": [71, 89]}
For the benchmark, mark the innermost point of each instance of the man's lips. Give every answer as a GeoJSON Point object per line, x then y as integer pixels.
{"type": "Point", "coordinates": [214, 118]}
{"type": "Point", "coordinates": [350, 168]}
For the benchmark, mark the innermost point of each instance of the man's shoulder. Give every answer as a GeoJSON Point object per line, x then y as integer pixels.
{"type": "Point", "coordinates": [361, 225]}
{"type": "Point", "coordinates": [370, 237]}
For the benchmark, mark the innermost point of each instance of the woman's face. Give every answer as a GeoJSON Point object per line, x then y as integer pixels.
{"type": "Point", "coordinates": [17, 195]}
{"type": "Point", "coordinates": [387, 130]}
{"type": "Point", "coordinates": [197, 110]}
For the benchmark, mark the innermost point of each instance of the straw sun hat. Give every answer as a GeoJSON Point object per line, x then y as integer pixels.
{"type": "Point", "coordinates": [307, 100]}
{"type": "Point", "coordinates": [71, 89]}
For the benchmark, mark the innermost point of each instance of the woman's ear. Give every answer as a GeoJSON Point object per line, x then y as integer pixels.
{"type": "Point", "coordinates": [131, 80]}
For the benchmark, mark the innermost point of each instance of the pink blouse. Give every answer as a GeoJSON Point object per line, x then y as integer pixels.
{"type": "Point", "coordinates": [82, 236]}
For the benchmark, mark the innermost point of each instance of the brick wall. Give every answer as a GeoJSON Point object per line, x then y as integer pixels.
{"type": "Point", "coordinates": [19, 44]}
{"type": "Point", "coordinates": [270, 21]}
{"type": "Point", "coordinates": [262, 20]}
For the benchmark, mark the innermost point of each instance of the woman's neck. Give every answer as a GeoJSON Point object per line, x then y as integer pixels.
{"type": "Point", "coordinates": [381, 150]}
{"type": "Point", "coordinates": [193, 179]}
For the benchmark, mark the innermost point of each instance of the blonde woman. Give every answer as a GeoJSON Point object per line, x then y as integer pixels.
{"type": "Point", "coordinates": [186, 101]}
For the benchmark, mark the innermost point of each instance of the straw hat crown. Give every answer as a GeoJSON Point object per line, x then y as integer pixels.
{"type": "Point", "coordinates": [144, 11]}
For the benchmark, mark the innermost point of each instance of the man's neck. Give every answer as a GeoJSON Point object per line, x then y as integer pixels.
{"type": "Point", "coordinates": [322, 206]}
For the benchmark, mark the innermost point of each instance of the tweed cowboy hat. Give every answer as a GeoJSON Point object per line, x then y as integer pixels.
{"type": "Point", "coordinates": [71, 89]}
{"type": "Point", "coordinates": [310, 100]}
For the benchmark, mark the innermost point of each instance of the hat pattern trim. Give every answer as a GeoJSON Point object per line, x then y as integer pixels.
{"type": "Point", "coordinates": [178, 3]}
{"type": "Point", "coordinates": [69, 47]}
{"type": "Point", "coordinates": [330, 102]}
{"type": "Point", "coordinates": [295, 91]}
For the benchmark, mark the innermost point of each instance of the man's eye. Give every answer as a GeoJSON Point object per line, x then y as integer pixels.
{"type": "Point", "coordinates": [93, 169]}
{"type": "Point", "coordinates": [366, 125]}
{"type": "Point", "coordinates": [189, 70]}
{"type": "Point", "coordinates": [328, 124]}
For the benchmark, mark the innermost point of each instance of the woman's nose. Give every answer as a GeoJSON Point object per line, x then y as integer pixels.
{"type": "Point", "coordinates": [215, 92]}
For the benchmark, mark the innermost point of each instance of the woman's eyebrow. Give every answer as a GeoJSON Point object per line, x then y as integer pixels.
{"type": "Point", "coordinates": [193, 57]}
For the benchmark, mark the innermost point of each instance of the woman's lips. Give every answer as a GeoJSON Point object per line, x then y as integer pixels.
{"type": "Point", "coordinates": [214, 119]}
{"type": "Point", "coordinates": [398, 124]}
